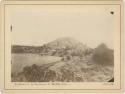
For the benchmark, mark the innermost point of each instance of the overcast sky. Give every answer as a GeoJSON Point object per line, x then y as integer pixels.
{"type": "Point", "coordinates": [43, 24]}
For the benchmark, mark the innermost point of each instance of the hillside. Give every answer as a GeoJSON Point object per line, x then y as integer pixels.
{"type": "Point", "coordinates": [76, 63]}
{"type": "Point", "coordinates": [59, 47]}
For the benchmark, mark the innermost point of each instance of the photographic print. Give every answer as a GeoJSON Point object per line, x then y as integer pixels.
{"type": "Point", "coordinates": [61, 46]}
{"type": "Point", "coordinates": [57, 44]}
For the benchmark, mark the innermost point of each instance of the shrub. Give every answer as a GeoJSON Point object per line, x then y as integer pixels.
{"type": "Point", "coordinates": [103, 55]}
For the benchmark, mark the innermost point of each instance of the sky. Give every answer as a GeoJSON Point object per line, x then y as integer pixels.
{"type": "Point", "coordinates": [38, 25]}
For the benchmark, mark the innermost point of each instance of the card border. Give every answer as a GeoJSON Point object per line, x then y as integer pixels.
{"type": "Point", "coordinates": [64, 4]}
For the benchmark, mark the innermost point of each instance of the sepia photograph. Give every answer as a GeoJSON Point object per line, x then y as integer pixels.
{"type": "Point", "coordinates": [61, 46]}
{"type": "Point", "coordinates": [71, 44]}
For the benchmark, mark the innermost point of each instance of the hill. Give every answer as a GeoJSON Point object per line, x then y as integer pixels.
{"type": "Point", "coordinates": [76, 63]}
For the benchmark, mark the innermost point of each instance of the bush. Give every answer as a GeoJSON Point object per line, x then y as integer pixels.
{"type": "Point", "coordinates": [32, 73]}
{"type": "Point", "coordinates": [103, 55]}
